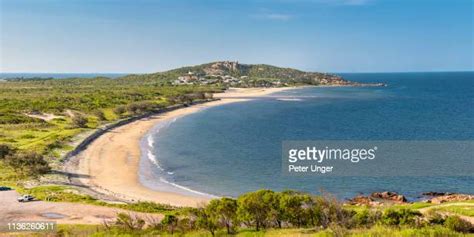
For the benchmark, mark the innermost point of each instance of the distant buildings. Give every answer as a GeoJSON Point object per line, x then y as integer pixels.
{"type": "Point", "coordinates": [195, 79]}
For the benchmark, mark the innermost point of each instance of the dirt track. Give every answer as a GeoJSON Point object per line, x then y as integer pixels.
{"type": "Point", "coordinates": [467, 218]}
{"type": "Point", "coordinates": [61, 212]}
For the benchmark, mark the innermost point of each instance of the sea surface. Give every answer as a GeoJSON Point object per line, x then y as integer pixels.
{"type": "Point", "coordinates": [235, 148]}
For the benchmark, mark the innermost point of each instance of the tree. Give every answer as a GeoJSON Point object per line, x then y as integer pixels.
{"type": "Point", "coordinates": [224, 211]}
{"type": "Point", "coordinates": [171, 222]}
{"type": "Point", "coordinates": [296, 208]}
{"type": "Point", "coordinates": [329, 210]}
{"type": "Point", "coordinates": [254, 208]}
{"type": "Point", "coordinates": [206, 221]}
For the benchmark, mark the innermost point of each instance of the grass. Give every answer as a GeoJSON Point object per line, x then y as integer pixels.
{"type": "Point", "coordinates": [98, 231]}
{"type": "Point", "coordinates": [42, 138]}
{"type": "Point", "coordinates": [412, 206]}
{"type": "Point", "coordinates": [465, 210]}
{"type": "Point", "coordinates": [7, 175]}
{"type": "Point", "coordinates": [56, 193]}
{"type": "Point", "coordinates": [406, 232]}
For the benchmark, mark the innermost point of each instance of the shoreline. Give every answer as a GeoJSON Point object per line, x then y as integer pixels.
{"type": "Point", "coordinates": [110, 164]}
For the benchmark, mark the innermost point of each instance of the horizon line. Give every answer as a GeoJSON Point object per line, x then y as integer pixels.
{"type": "Point", "coordinates": [141, 73]}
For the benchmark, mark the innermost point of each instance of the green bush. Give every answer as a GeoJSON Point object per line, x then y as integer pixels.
{"type": "Point", "coordinates": [28, 163]}
{"type": "Point", "coordinates": [297, 209]}
{"type": "Point", "coordinates": [139, 107]}
{"type": "Point", "coordinates": [171, 222]}
{"type": "Point", "coordinates": [119, 110]}
{"type": "Point", "coordinates": [455, 223]}
{"type": "Point", "coordinates": [129, 222]}
{"type": "Point", "coordinates": [366, 218]}
{"type": "Point", "coordinates": [148, 207]}
{"type": "Point", "coordinates": [255, 208]}
{"type": "Point", "coordinates": [100, 115]}
{"type": "Point", "coordinates": [401, 216]}
{"type": "Point", "coordinates": [224, 212]}
{"type": "Point", "coordinates": [434, 217]}
{"type": "Point", "coordinates": [5, 150]}
{"type": "Point", "coordinates": [79, 121]}
{"type": "Point", "coordinates": [15, 118]}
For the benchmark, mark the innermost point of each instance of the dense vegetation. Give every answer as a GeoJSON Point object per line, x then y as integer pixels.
{"type": "Point", "coordinates": [251, 75]}
{"type": "Point", "coordinates": [287, 213]}
{"type": "Point", "coordinates": [40, 118]}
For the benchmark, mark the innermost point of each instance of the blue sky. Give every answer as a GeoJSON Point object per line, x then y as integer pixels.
{"type": "Point", "coordinates": [317, 35]}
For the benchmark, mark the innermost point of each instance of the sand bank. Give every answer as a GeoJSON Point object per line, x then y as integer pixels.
{"type": "Point", "coordinates": [110, 164]}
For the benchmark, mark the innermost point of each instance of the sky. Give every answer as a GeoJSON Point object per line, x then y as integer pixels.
{"type": "Point", "coordinates": [141, 36]}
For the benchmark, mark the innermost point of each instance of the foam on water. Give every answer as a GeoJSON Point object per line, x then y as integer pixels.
{"type": "Point", "coordinates": [186, 188]}
{"type": "Point", "coordinates": [149, 175]}
{"type": "Point", "coordinates": [153, 160]}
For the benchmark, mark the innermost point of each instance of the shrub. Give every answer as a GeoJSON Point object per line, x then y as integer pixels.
{"type": "Point", "coordinates": [129, 222]}
{"type": "Point", "coordinates": [149, 207]}
{"type": "Point", "coordinates": [455, 223]}
{"type": "Point", "coordinates": [330, 210]}
{"type": "Point", "coordinates": [401, 216]}
{"type": "Point", "coordinates": [79, 121]}
{"type": "Point", "coordinates": [366, 218]}
{"type": "Point", "coordinates": [434, 217]}
{"type": "Point", "coordinates": [12, 118]}
{"type": "Point", "coordinates": [31, 163]}
{"type": "Point", "coordinates": [119, 110]}
{"type": "Point", "coordinates": [139, 107]}
{"type": "Point", "coordinates": [100, 115]}
{"type": "Point", "coordinates": [171, 222]}
{"type": "Point", "coordinates": [5, 150]}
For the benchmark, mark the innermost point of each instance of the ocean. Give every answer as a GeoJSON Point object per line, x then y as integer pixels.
{"type": "Point", "coordinates": [235, 148]}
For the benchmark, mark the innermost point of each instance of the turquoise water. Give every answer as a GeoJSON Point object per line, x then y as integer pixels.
{"type": "Point", "coordinates": [236, 148]}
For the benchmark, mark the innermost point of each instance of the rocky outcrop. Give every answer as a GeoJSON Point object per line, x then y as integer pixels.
{"type": "Point", "coordinates": [450, 197]}
{"type": "Point", "coordinates": [378, 199]}
{"type": "Point", "coordinates": [222, 68]}
{"type": "Point", "coordinates": [389, 196]}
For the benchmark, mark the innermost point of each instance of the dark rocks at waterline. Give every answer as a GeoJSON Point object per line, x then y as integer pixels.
{"type": "Point", "coordinates": [378, 199]}
{"type": "Point", "coordinates": [436, 194]}
{"type": "Point", "coordinates": [389, 196]}
{"type": "Point", "coordinates": [456, 197]}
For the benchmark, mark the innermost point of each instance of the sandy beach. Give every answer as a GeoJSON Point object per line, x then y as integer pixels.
{"type": "Point", "coordinates": [110, 164]}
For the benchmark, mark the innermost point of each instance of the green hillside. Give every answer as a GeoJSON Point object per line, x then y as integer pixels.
{"type": "Point", "coordinates": [243, 75]}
